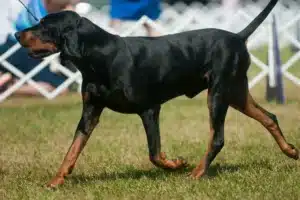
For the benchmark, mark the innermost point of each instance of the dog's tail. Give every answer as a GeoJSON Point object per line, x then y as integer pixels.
{"type": "Point", "coordinates": [245, 33]}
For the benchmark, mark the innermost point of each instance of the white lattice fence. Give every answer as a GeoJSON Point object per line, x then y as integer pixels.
{"type": "Point", "coordinates": [174, 19]}
{"type": "Point", "coordinates": [27, 78]}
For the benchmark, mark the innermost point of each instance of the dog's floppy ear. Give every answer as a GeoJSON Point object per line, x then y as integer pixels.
{"type": "Point", "coordinates": [85, 27]}
{"type": "Point", "coordinates": [73, 38]}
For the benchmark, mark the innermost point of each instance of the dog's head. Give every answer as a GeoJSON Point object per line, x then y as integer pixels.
{"type": "Point", "coordinates": [57, 32]}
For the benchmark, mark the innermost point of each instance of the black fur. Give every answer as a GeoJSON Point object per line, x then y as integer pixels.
{"type": "Point", "coordinates": [138, 74]}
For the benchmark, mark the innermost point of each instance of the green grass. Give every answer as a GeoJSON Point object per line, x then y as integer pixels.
{"type": "Point", "coordinates": [35, 135]}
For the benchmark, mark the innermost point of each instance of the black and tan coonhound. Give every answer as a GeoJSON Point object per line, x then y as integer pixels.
{"type": "Point", "coordinates": [136, 75]}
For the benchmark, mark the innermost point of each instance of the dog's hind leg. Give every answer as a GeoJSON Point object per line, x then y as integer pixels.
{"type": "Point", "coordinates": [89, 119]}
{"type": "Point", "coordinates": [150, 119]}
{"type": "Point", "coordinates": [218, 107]}
{"type": "Point", "coordinates": [219, 80]}
{"type": "Point", "coordinates": [250, 108]}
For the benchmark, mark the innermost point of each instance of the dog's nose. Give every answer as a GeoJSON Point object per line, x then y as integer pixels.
{"type": "Point", "coordinates": [18, 35]}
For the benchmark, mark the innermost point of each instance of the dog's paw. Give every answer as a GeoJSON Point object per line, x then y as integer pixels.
{"type": "Point", "coordinates": [292, 152]}
{"type": "Point", "coordinates": [164, 163]}
{"type": "Point", "coordinates": [180, 162]}
{"type": "Point", "coordinates": [55, 182]}
{"type": "Point", "coordinates": [197, 173]}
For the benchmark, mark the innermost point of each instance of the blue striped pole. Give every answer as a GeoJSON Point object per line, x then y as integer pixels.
{"type": "Point", "coordinates": [275, 91]}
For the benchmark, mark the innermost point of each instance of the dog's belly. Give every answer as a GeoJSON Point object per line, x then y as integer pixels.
{"type": "Point", "coordinates": [121, 101]}
{"type": "Point", "coordinates": [133, 100]}
{"type": "Point", "coordinates": [124, 107]}
{"type": "Point", "coordinates": [189, 88]}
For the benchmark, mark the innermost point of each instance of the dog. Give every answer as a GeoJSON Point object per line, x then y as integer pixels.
{"type": "Point", "coordinates": [136, 75]}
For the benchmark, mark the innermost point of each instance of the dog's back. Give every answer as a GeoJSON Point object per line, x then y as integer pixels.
{"type": "Point", "coordinates": [178, 62]}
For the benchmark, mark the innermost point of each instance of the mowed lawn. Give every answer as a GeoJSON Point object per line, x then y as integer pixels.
{"type": "Point", "coordinates": [36, 133]}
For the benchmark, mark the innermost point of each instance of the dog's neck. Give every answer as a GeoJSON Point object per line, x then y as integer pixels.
{"type": "Point", "coordinates": [101, 37]}
{"type": "Point", "coordinates": [99, 45]}
{"type": "Point", "coordinates": [82, 44]}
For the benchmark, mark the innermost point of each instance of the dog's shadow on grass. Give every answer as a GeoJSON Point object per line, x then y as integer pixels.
{"type": "Point", "coordinates": [154, 174]}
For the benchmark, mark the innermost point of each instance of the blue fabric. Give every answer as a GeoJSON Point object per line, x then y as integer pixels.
{"type": "Point", "coordinates": [134, 9]}
{"type": "Point", "coordinates": [25, 19]}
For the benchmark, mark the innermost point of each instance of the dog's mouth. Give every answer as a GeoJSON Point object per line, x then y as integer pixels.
{"type": "Point", "coordinates": [36, 47]}
{"type": "Point", "coordinates": [41, 53]}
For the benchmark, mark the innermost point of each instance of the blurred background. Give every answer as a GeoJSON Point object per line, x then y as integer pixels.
{"type": "Point", "coordinates": [21, 75]}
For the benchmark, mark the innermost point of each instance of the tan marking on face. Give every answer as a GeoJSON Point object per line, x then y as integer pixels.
{"type": "Point", "coordinates": [30, 41]}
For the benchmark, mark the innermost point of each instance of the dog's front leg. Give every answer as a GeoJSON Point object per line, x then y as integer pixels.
{"type": "Point", "coordinates": [150, 120]}
{"type": "Point", "coordinates": [89, 119]}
